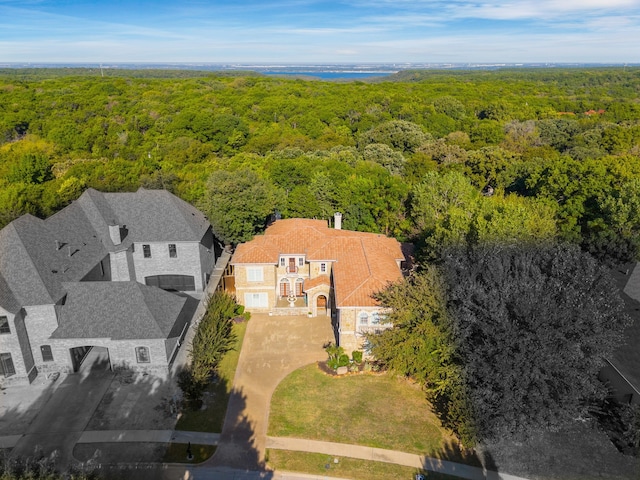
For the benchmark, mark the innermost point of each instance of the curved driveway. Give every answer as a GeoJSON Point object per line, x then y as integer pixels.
{"type": "Point", "coordinates": [273, 347]}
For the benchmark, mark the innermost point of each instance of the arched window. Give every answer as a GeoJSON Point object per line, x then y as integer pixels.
{"type": "Point", "coordinates": [363, 319]}
{"type": "Point", "coordinates": [299, 284]}
{"type": "Point", "coordinates": [378, 318]}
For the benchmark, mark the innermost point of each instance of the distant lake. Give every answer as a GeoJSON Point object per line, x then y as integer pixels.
{"type": "Point", "coordinates": [330, 75]}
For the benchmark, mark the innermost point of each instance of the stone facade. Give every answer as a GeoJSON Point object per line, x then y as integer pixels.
{"type": "Point", "coordinates": [308, 268]}
{"type": "Point", "coordinates": [355, 322]}
{"type": "Point", "coordinates": [100, 250]}
{"type": "Point", "coordinates": [258, 295]}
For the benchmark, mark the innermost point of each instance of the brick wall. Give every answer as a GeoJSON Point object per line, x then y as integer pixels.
{"type": "Point", "coordinates": [186, 262]}
{"type": "Point", "coordinates": [16, 343]}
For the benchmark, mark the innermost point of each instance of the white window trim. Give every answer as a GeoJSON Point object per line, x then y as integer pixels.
{"type": "Point", "coordinates": [255, 274]}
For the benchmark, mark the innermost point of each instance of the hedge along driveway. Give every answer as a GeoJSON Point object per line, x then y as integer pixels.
{"type": "Point", "coordinates": [380, 411]}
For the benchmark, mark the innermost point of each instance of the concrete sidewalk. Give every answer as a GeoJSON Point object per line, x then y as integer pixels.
{"type": "Point", "coordinates": [149, 436]}
{"type": "Point", "coordinates": [386, 456]}
{"type": "Point", "coordinates": [284, 443]}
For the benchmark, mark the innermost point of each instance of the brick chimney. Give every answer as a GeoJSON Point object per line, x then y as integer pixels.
{"type": "Point", "coordinates": [114, 233]}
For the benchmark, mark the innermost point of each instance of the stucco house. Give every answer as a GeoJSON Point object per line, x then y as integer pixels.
{"type": "Point", "coordinates": [100, 273]}
{"type": "Point", "coordinates": [304, 267]}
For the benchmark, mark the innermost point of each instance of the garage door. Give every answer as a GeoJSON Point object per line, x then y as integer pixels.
{"type": "Point", "coordinates": [179, 283]}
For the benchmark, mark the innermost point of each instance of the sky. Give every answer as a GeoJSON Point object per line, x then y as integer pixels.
{"type": "Point", "coordinates": [307, 31]}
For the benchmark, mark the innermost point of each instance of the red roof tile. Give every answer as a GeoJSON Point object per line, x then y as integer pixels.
{"type": "Point", "coordinates": [363, 263]}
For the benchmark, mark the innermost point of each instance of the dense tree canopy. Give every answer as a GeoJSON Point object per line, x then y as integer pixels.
{"type": "Point", "coordinates": [506, 338]}
{"type": "Point", "coordinates": [567, 139]}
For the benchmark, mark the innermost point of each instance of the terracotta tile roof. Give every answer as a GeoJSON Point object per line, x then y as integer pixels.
{"type": "Point", "coordinates": [310, 283]}
{"type": "Point", "coordinates": [363, 263]}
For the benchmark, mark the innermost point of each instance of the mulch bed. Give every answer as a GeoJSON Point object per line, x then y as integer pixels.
{"type": "Point", "coordinates": [324, 368]}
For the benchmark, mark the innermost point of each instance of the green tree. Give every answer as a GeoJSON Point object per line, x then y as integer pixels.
{"type": "Point", "coordinates": [238, 204]}
{"type": "Point", "coordinates": [531, 363]}
{"type": "Point", "coordinates": [421, 344]}
{"type": "Point", "coordinates": [213, 339]}
{"type": "Point", "coordinates": [397, 134]}
{"type": "Point", "coordinates": [32, 169]}
{"type": "Point", "coordinates": [387, 157]}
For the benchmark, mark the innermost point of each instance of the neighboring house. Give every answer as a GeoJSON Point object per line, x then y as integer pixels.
{"type": "Point", "coordinates": [89, 276]}
{"type": "Point", "coordinates": [622, 370]}
{"type": "Point", "coordinates": [301, 266]}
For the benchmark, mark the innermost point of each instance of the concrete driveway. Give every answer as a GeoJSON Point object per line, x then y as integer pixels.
{"type": "Point", "coordinates": [273, 347]}
{"type": "Point", "coordinates": [61, 420]}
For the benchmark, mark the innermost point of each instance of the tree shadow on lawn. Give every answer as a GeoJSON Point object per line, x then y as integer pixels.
{"type": "Point", "coordinates": [452, 451]}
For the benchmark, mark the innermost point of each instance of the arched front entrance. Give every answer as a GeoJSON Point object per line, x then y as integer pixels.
{"type": "Point", "coordinates": [90, 358]}
{"type": "Point", "coordinates": [321, 304]}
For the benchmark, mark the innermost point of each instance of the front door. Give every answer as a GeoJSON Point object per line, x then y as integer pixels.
{"type": "Point", "coordinates": [284, 288]}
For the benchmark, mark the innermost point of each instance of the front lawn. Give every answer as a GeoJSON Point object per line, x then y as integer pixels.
{"type": "Point", "coordinates": [381, 411]}
{"type": "Point", "coordinates": [216, 397]}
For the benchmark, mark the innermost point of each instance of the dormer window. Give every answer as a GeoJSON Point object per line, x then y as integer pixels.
{"type": "Point", "coordinates": [282, 261]}
{"type": "Point", "coordinates": [323, 267]}
{"type": "Point", "coordinates": [301, 261]}
{"type": "Point", "coordinates": [146, 251]}
{"type": "Point", "coordinates": [173, 253]}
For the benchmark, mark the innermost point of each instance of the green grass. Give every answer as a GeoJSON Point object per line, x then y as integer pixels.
{"type": "Point", "coordinates": [316, 464]}
{"type": "Point", "coordinates": [217, 395]}
{"type": "Point", "coordinates": [380, 411]}
{"type": "Point", "coordinates": [177, 453]}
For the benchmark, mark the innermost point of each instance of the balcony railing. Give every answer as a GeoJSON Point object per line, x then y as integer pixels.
{"type": "Point", "coordinates": [292, 269]}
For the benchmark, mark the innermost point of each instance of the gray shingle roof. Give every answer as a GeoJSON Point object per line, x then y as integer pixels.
{"type": "Point", "coordinates": [7, 299]}
{"type": "Point", "coordinates": [37, 255]}
{"type": "Point", "coordinates": [34, 266]}
{"type": "Point", "coordinates": [157, 216]}
{"type": "Point", "coordinates": [117, 310]}
{"type": "Point", "coordinates": [27, 253]}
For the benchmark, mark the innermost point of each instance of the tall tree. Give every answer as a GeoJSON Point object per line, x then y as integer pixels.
{"type": "Point", "coordinates": [238, 204]}
{"type": "Point", "coordinates": [505, 338]}
{"type": "Point", "coordinates": [532, 327]}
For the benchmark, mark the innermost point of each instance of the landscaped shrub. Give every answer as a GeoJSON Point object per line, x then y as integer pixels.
{"type": "Point", "coordinates": [335, 353]}
{"type": "Point", "coordinates": [192, 389]}
{"type": "Point", "coordinates": [343, 360]}
{"type": "Point", "coordinates": [357, 356]}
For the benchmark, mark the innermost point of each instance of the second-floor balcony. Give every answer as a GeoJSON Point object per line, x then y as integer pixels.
{"type": "Point", "coordinates": [292, 269]}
